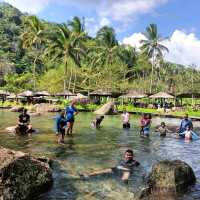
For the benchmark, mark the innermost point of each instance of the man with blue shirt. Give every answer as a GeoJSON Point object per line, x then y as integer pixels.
{"type": "Point", "coordinates": [71, 111]}
{"type": "Point", "coordinates": [185, 123]}
{"type": "Point", "coordinates": [60, 126]}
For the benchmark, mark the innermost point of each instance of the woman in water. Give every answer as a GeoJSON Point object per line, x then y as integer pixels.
{"type": "Point", "coordinates": [145, 125]}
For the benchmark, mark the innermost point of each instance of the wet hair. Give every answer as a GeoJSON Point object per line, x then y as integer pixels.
{"type": "Point", "coordinates": [163, 123]}
{"type": "Point", "coordinates": [24, 110]}
{"type": "Point", "coordinates": [129, 151]}
{"type": "Point", "coordinates": [102, 116]}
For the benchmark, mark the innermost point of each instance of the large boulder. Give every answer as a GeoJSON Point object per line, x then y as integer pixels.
{"type": "Point", "coordinates": [168, 177]}
{"type": "Point", "coordinates": [106, 109]}
{"type": "Point", "coordinates": [22, 176]}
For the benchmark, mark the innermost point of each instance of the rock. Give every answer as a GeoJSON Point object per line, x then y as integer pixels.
{"type": "Point", "coordinates": [44, 107]}
{"type": "Point", "coordinates": [169, 177]}
{"type": "Point", "coordinates": [16, 109]}
{"type": "Point", "coordinates": [22, 176]}
{"type": "Point", "coordinates": [106, 109]}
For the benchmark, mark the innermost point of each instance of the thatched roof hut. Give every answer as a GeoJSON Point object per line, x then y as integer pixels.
{"type": "Point", "coordinates": [188, 95]}
{"type": "Point", "coordinates": [65, 93]}
{"type": "Point", "coordinates": [102, 93]}
{"type": "Point", "coordinates": [4, 93]}
{"type": "Point", "coordinates": [161, 95]}
{"type": "Point", "coordinates": [133, 95]}
{"type": "Point", "coordinates": [27, 93]}
{"type": "Point", "coordinates": [42, 93]}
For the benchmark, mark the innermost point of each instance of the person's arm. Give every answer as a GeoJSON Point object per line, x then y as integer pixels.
{"type": "Point", "coordinates": [99, 172]}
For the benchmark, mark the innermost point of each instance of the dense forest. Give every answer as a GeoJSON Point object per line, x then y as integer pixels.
{"type": "Point", "coordinates": [39, 55]}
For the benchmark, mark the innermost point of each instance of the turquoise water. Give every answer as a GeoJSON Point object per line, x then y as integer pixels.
{"type": "Point", "coordinates": [89, 150]}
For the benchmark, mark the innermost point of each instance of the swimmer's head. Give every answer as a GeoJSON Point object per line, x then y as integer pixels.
{"type": "Point", "coordinates": [62, 113]}
{"type": "Point", "coordinates": [128, 155]}
{"type": "Point", "coordinates": [163, 124]}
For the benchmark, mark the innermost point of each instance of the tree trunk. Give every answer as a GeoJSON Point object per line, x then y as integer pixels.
{"type": "Point", "coordinates": [151, 81]}
{"type": "Point", "coordinates": [34, 73]}
{"type": "Point", "coordinates": [65, 75]}
{"type": "Point", "coordinates": [70, 79]}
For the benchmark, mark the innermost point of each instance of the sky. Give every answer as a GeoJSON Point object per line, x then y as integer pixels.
{"type": "Point", "coordinates": [178, 20]}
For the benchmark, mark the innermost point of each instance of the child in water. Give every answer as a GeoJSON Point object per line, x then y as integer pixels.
{"type": "Point", "coordinates": [163, 130]}
{"type": "Point", "coordinates": [188, 133]}
{"type": "Point", "coordinates": [145, 125]}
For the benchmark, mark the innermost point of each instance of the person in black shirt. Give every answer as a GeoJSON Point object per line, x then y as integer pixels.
{"type": "Point", "coordinates": [125, 167]}
{"type": "Point", "coordinates": [24, 126]}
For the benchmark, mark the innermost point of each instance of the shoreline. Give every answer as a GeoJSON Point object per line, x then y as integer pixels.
{"type": "Point", "coordinates": [163, 115]}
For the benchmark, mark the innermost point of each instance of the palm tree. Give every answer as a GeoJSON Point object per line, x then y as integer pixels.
{"type": "Point", "coordinates": [152, 47]}
{"type": "Point", "coordinates": [66, 45]}
{"type": "Point", "coordinates": [32, 38]}
{"type": "Point", "coordinates": [107, 50]}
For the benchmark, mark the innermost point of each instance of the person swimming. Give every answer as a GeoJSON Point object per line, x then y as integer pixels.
{"type": "Point", "coordinates": [96, 123]}
{"type": "Point", "coordinates": [125, 167]}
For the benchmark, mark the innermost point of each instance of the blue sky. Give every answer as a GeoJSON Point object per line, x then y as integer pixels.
{"type": "Point", "coordinates": [176, 19]}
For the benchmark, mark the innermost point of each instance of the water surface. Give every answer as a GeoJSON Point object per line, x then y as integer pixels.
{"type": "Point", "coordinates": [89, 150]}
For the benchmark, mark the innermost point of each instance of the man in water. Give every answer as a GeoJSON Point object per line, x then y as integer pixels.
{"type": "Point", "coordinates": [60, 126]}
{"type": "Point", "coordinates": [125, 119]}
{"type": "Point", "coordinates": [186, 122]}
{"type": "Point", "coordinates": [124, 168]}
{"type": "Point", "coordinates": [71, 111]}
{"type": "Point", "coordinates": [96, 123]}
{"type": "Point", "coordinates": [24, 126]}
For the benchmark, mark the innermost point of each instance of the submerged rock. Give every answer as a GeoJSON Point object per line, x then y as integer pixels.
{"type": "Point", "coordinates": [168, 178]}
{"type": "Point", "coordinates": [22, 176]}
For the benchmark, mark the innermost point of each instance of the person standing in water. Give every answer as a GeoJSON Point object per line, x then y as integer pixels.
{"type": "Point", "coordinates": [71, 111]}
{"type": "Point", "coordinates": [60, 126]}
{"type": "Point", "coordinates": [125, 119]}
{"type": "Point", "coordinates": [163, 130]}
{"type": "Point", "coordinates": [145, 125]}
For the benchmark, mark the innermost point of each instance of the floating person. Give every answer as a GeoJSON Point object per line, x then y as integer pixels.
{"type": "Point", "coordinates": [124, 168]}
{"type": "Point", "coordinates": [184, 123]}
{"type": "Point", "coordinates": [71, 111]}
{"type": "Point", "coordinates": [125, 119]}
{"type": "Point", "coordinates": [24, 126]}
{"type": "Point", "coordinates": [61, 123]}
{"type": "Point", "coordinates": [163, 130]}
{"type": "Point", "coordinates": [145, 125]}
{"type": "Point", "coordinates": [96, 123]}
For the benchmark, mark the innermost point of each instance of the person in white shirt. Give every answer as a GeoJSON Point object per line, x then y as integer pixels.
{"type": "Point", "coordinates": [125, 119]}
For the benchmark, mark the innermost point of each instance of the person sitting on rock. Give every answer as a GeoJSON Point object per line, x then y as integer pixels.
{"type": "Point", "coordinates": [124, 168]}
{"type": "Point", "coordinates": [96, 123]}
{"type": "Point", "coordinates": [24, 126]}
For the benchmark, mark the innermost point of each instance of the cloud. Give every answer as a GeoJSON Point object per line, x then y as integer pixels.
{"type": "Point", "coordinates": [134, 40]}
{"type": "Point", "coordinates": [119, 10]}
{"type": "Point", "coordinates": [184, 48]}
{"type": "Point", "coordinates": [33, 7]}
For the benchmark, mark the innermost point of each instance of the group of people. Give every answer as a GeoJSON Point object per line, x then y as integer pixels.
{"type": "Point", "coordinates": [65, 122]}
